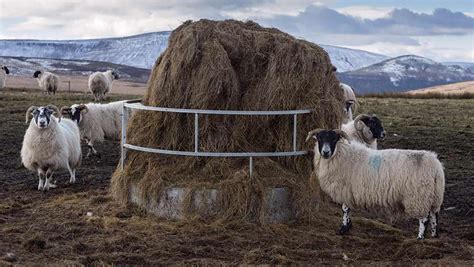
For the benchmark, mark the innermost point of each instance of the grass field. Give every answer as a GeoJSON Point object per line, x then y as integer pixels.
{"type": "Point", "coordinates": [53, 227]}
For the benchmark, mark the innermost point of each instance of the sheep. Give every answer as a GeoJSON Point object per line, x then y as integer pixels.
{"type": "Point", "coordinates": [100, 83]}
{"type": "Point", "coordinates": [96, 121]}
{"type": "Point", "coordinates": [365, 129]}
{"type": "Point", "coordinates": [407, 182]}
{"type": "Point", "coordinates": [47, 81]}
{"type": "Point", "coordinates": [50, 144]}
{"type": "Point", "coordinates": [350, 102]}
{"type": "Point", "coordinates": [4, 71]}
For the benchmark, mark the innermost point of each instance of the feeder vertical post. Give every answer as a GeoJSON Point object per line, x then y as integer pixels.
{"type": "Point", "coordinates": [124, 135]}
{"type": "Point", "coordinates": [294, 131]}
{"type": "Point", "coordinates": [196, 132]}
{"type": "Point", "coordinates": [251, 166]}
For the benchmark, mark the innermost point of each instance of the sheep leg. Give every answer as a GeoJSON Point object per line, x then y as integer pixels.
{"type": "Point", "coordinates": [422, 227]}
{"type": "Point", "coordinates": [48, 184]}
{"type": "Point", "coordinates": [346, 220]}
{"type": "Point", "coordinates": [41, 180]}
{"type": "Point", "coordinates": [72, 173]}
{"type": "Point", "coordinates": [90, 145]}
{"type": "Point", "coordinates": [434, 223]}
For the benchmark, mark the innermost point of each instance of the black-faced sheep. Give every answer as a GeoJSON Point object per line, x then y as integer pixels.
{"type": "Point", "coordinates": [47, 81]}
{"type": "Point", "coordinates": [365, 129]}
{"type": "Point", "coordinates": [96, 121]}
{"type": "Point", "coordinates": [4, 71]}
{"type": "Point", "coordinates": [100, 83]}
{"type": "Point", "coordinates": [50, 144]}
{"type": "Point", "coordinates": [409, 182]}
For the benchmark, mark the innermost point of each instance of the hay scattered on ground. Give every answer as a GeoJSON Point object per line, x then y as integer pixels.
{"type": "Point", "coordinates": [231, 65]}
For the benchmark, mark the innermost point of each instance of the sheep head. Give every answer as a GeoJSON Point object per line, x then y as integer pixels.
{"type": "Point", "coordinates": [370, 126]}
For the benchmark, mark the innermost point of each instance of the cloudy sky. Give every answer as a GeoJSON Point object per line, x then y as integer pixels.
{"type": "Point", "coordinates": [440, 30]}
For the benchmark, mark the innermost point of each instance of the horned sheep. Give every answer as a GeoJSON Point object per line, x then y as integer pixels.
{"type": "Point", "coordinates": [96, 121]}
{"type": "Point", "coordinates": [100, 83]}
{"type": "Point", "coordinates": [407, 182]}
{"type": "Point", "coordinates": [50, 144]}
{"type": "Point", "coordinates": [365, 129]}
{"type": "Point", "coordinates": [47, 81]}
{"type": "Point", "coordinates": [4, 71]}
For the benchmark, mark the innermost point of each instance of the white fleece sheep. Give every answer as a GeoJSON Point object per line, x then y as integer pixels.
{"type": "Point", "coordinates": [47, 81]}
{"type": "Point", "coordinates": [409, 182]}
{"type": "Point", "coordinates": [100, 83]}
{"type": "Point", "coordinates": [365, 129]}
{"type": "Point", "coordinates": [4, 71]}
{"type": "Point", "coordinates": [50, 144]}
{"type": "Point", "coordinates": [96, 121]}
{"type": "Point", "coordinates": [350, 102]}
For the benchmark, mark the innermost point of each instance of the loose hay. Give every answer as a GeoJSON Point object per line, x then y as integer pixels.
{"type": "Point", "coordinates": [231, 65]}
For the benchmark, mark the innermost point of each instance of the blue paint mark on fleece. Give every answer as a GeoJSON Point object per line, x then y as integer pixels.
{"type": "Point", "coordinates": [375, 161]}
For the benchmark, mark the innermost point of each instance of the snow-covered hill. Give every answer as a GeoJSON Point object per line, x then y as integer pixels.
{"type": "Point", "coordinates": [143, 50]}
{"type": "Point", "coordinates": [346, 59]}
{"type": "Point", "coordinates": [404, 73]}
{"type": "Point", "coordinates": [20, 66]}
{"type": "Point", "coordinates": [137, 51]}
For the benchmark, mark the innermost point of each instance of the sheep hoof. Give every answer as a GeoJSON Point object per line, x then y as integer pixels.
{"type": "Point", "coordinates": [344, 228]}
{"type": "Point", "coordinates": [420, 238]}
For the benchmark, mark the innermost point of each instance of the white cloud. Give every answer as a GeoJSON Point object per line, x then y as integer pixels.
{"type": "Point", "coordinates": [366, 12]}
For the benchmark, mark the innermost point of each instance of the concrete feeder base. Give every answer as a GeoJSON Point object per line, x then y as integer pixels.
{"type": "Point", "coordinates": [277, 207]}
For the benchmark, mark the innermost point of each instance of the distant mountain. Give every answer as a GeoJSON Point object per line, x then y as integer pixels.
{"type": "Point", "coordinates": [138, 51]}
{"type": "Point", "coordinates": [404, 73]}
{"type": "Point", "coordinates": [142, 51]}
{"type": "Point", "coordinates": [346, 59]}
{"type": "Point", "coordinates": [21, 66]}
{"type": "Point", "coordinates": [464, 65]}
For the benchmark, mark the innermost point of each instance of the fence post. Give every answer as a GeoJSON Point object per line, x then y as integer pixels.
{"type": "Point", "coordinates": [196, 132]}
{"type": "Point", "coordinates": [294, 131]}
{"type": "Point", "coordinates": [124, 135]}
{"type": "Point", "coordinates": [251, 166]}
{"type": "Point", "coordinates": [69, 86]}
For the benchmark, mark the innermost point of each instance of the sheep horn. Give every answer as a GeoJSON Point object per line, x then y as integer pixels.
{"type": "Point", "coordinates": [83, 107]}
{"type": "Point", "coordinates": [28, 113]}
{"type": "Point", "coordinates": [358, 118]}
{"type": "Point", "coordinates": [342, 134]}
{"type": "Point", "coordinates": [65, 110]}
{"type": "Point", "coordinates": [312, 133]}
{"type": "Point", "coordinates": [56, 110]}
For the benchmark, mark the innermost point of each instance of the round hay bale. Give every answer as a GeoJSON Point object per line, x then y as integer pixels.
{"type": "Point", "coordinates": [231, 65]}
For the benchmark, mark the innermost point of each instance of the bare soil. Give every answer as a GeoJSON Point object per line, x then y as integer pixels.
{"type": "Point", "coordinates": [54, 227]}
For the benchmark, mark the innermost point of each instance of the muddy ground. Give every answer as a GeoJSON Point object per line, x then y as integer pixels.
{"type": "Point", "coordinates": [54, 227]}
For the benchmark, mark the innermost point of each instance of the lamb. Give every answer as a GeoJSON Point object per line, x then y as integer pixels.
{"type": "Point", "coordinates": [96, 121]}
{"type": "Point", "coordinates": [407, 182]}
{"type": "Point", "coordinates": [365, 129]}
{"type": "Point", "coordinates": [47, 81]}
{"type": "Point", "coordinates": [100, 83]}
{"type": "Point", "coordinates": [50, 144]}
{"type": "Point", "coordinates": [4, 71]}
{"type": "Point", "coordinates": [350, 102]}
